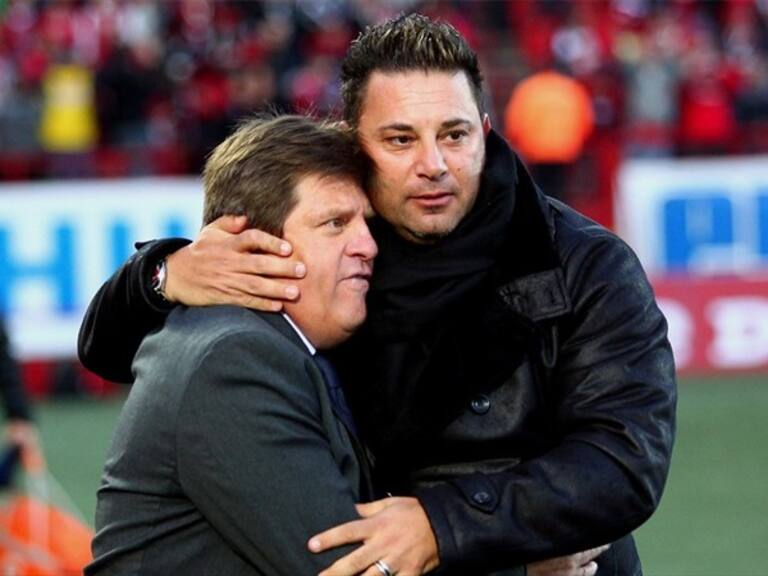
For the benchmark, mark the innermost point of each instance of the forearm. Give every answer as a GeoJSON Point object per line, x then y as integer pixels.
{"type": "Point", "coordinates": [122, 312]}
{"type": "Point", "coordinates": [574, 498]}
{"type": "Point", "coordinates": [614, 413]}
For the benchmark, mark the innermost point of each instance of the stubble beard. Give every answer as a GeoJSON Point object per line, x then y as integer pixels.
{"type": "Point", "coordinates": [425, 237]}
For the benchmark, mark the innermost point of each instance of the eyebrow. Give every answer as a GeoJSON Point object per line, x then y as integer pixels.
{"type": "Point", "coordinates": [332, 211]}
{"type": "Point", "coordinates": [455, 122]}
{"type": "Point", "coordinates": [402, 127]}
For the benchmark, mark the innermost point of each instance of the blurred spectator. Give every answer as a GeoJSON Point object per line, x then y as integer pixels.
{"type": "Point", "coordinates": [68, 124]}
{"type": "Point", "coordinates": [745, 37]}
{"type": "Point", "coordinates": [707, 111]}
{"type": "Point", "coordinates": [127, 83]}
{"type": "Point", "coordinates": [68, 130]}
{"type": "Point", "coordinates": [20, 431]}
{"type": "Point", "coordinates": [575, 44]}
{"type": "Point", "coordinates": [310, 88]}
{"type": "Point", "coordinates": [652, 83]}
{"type": "Point", "coordinates": [548, 119]}
{"type": "Point", "coordinates": [752, 105]}
{"type": "Point", "coordinates": [20, 114]}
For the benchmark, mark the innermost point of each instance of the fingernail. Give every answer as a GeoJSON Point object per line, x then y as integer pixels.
{"type": "Point", "coordinates": [285, 248]}
{"type": "Point", "coordinates": [300, 269]}
{"type": "Point", "coordinates": [291, 291]}
{"type": "Point", "coordinates": [314, 545]}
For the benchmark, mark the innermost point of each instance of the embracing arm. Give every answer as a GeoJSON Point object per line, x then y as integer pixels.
{"type": "Point", "coordinates": [224, 265]}
{"type": "Point", "coordinates": [615, 408]}
{"type": "Point", "coordinates": [123, 311]}
{"type": "Point", "coordinates": [255, 455]}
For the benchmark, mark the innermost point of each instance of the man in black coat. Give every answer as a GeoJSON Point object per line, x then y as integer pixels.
{"type": "Point", "coordinates": [520, 387]}
{"type": "Point", "coordinates": [233, 446]}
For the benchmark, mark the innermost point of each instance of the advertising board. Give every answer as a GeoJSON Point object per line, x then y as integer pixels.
{"type": "Point", "coordinates": [716, 325]}
{"type": "Point", "coordinates": [700, 228]}
{"type": "Point", "coordinates": [703, 216]}
{"type": "Point", "coordinates": [60, 241]}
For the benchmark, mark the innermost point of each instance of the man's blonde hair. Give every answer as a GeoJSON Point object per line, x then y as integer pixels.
{"type": "Point", "coordinates": [254, 172]}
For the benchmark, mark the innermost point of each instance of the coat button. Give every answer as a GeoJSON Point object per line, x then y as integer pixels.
{"type": "Point", "coordinates": [481, 497]}
{"type": "Point", "coordinates": [480, 404]}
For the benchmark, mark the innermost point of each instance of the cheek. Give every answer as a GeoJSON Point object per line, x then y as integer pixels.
{"type": "Point", "coordinates": [470, 169]}
{"type": "Point", "coordinates": [315, 256]}
{"type": "Point", "coordinates": [384, 176]}
{"type": "Point", "coordinates": [379, 197]}
{"type": "Point", "coordinates": [392, 168]}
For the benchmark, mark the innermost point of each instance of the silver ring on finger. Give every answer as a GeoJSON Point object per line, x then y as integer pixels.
{"type": "Point", "coordinates": [383, 568]}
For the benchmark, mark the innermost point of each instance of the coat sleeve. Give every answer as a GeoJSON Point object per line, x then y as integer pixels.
{"type": "Point", "coordinates": [254, 456]}
{"type": "Point", "coordinates": [615, 394]}
{"type": "Point", "coordinates": [123, 311]}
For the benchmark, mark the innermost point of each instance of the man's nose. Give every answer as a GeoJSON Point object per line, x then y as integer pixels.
{"type": "Point", "coordinates": [363, 245]}
{"type": "Point", "coordinates": [431, 162]}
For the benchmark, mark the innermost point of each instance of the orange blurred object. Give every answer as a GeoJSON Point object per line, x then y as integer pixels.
{"type": "Point", "coordinates": [40, 539]}
{"type": "Point", "coordinates": [548, 118]}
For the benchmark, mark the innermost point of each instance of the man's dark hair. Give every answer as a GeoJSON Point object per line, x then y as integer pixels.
{"type": "Point", "coordinates": [412, 42]}
{"type": "Point", "coordinates": [255, 171]}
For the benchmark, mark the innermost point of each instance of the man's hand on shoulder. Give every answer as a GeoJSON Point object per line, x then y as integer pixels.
{"type": "Point", "coordinates": [395, 531]}
{"type": "Point", "coordinates": [231, 264]}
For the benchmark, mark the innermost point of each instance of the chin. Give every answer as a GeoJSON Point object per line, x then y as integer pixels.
{"type": "Point", "coordinates": [436, 226]}
{"type": "Point", "coordinates": [344, 333]}
{"type": "Point", "coordinates": [353, 321]}
{"type": "Point", "coordinates": [432, 234]}
{"type": "Point", "coordinates": [354, 324]}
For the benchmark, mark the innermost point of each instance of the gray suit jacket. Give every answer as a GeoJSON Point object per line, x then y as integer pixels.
{"type": "Point", "coordinates": [227, 456]}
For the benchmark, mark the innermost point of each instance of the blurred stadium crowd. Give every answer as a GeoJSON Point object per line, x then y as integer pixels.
{"type": "Point", "coordinates": [111, 88]}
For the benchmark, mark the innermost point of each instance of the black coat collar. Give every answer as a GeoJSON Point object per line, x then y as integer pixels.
{"type": "Point", "coordinates": [532, 280]}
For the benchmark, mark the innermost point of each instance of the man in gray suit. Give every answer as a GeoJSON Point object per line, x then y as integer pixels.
{"type": "Point", "coordinates": [233, 447]}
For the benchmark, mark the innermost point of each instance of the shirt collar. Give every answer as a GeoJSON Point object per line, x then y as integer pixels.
{"type": "Point", "coordinates": [307, 343]}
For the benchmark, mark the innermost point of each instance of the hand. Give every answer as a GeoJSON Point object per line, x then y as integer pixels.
{"type": "Point", "coordinates": [24, 435]}
{"type": "Point", "coordinates": [395, 530]}
{"type": "Point", "coordinates": [579, 564]}
{"type": "Point", "coordinates": [228, 264]}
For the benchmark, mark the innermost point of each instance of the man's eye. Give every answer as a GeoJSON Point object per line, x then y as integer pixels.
{"type": "Point", "coordinates": [400, 140]}
{"type": "Point", "coordinates": [335, 223]}
{"type": "Point", "coordinates": [457, 135]}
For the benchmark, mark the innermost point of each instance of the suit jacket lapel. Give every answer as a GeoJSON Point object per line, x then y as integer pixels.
{"type": "Point", "coordinates": [364, 456]}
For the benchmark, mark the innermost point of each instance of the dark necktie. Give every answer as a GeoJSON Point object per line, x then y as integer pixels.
{"type": "Point", "coordinates": [336, 392]}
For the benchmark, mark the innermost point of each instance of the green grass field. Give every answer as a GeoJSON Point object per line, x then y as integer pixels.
{"type": "Point", "coordinates": [713, 520]}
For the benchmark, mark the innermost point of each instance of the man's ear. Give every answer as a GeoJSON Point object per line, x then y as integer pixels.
{"type": "Point", "coordinates": [486, 124]}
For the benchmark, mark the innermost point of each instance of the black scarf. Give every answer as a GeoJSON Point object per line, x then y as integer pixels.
{"type": "Point", "coordinates": [413, 283]}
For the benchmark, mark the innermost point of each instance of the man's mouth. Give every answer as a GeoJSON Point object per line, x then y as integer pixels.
{"type": "Point", "coordinates": [432, 200]}
{"type": "Point", "coordinates": [361, 280]}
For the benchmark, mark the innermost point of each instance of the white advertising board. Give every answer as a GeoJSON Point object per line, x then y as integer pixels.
{"type": "Point", "coordinates": [702, 216]}
{"type": "Point", "coordinates": [60, 241]}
